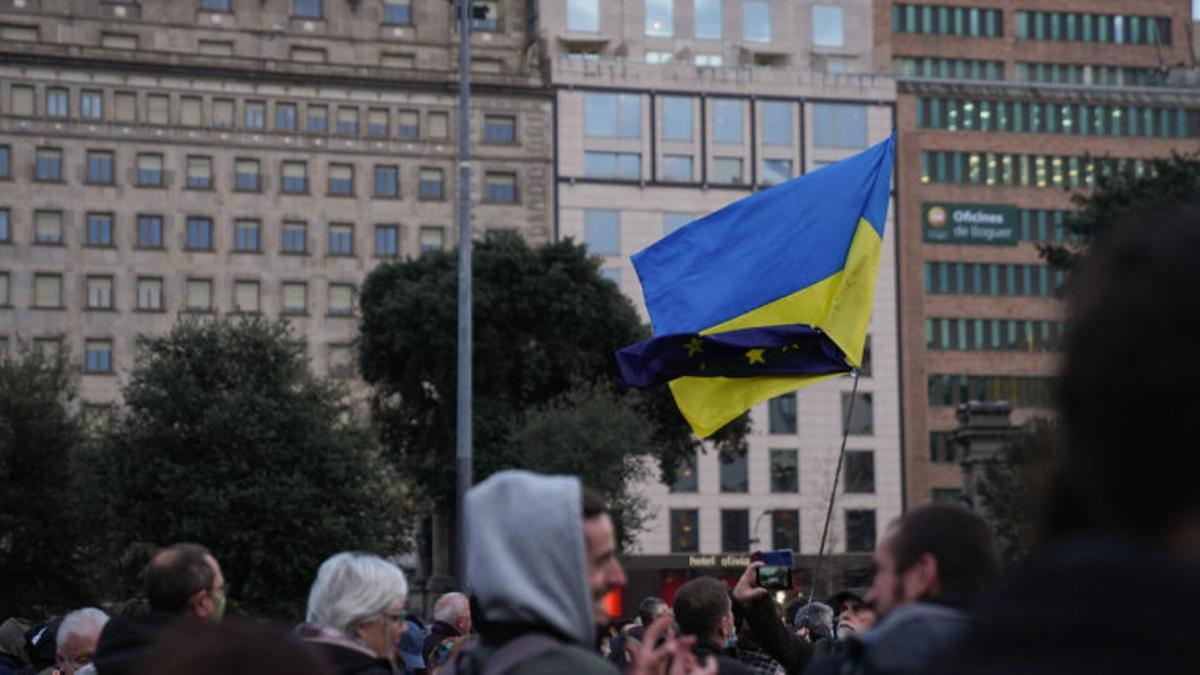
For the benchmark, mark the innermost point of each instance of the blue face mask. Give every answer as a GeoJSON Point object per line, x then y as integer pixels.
{"type": "Point", "coordinates": [731, 641]}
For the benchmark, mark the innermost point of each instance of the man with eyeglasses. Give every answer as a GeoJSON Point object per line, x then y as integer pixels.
{"type": "Point", "coordinates": [183, 582]}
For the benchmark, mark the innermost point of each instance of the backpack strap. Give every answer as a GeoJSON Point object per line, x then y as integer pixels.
{"type": "Point", "coordinates": [502, 660]}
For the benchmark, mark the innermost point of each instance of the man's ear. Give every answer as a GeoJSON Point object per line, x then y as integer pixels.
{"type": "Point", "coordinates": [200, 604]}
{"type": "Point", "coordinates": [926, 579]}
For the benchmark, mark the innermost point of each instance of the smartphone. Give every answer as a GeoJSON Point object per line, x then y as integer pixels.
{"type": "Point", "coordinates": [776, 572]}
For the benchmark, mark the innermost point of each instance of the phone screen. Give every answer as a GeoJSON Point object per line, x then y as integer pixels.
{"type": "Point", "coordinates": [774, 578]}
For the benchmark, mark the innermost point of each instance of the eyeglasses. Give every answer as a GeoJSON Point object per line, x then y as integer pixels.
{"type": "Point", "coordinates": [398, 617]}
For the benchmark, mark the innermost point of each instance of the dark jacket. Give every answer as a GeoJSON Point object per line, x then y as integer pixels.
{"type": "Point", "coordinates": [126, 642]}
{"type": "Point", "coordinates": [727, 664]}
{"type": "Point", "coordinates": [914, 639]}
{"type": "Point", "coordinates": [565, 657]}
{"type": "Point", "coordinates": [350, 659]}
{"type": "Point", "coordinates": [1089, 605]}
{"type": "Point", "coordinates": [437, 633]}
{"type": "Point", "coordinates": [790, 650]}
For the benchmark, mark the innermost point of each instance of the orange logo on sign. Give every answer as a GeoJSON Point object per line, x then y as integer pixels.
{"type": "Point", "coordinates": [937, 216]}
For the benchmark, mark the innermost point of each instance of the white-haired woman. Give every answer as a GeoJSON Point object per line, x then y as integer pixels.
{"type": "Point", "coordinates": [356, 613]}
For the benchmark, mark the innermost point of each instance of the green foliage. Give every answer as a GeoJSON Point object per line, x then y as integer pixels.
{"type": "Point", "coordinates": [38, 433]}
{"type": "Point", "coordinates": [1016, 482]}
{"type": "Point", "coordinates": [1121, 197]}
{"type": "Point", "coordinates": [546, 323]}
{"type": "Point", "coordinates": [229, 441]}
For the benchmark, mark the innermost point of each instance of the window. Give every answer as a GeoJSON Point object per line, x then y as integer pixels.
{"type": "Point", "coordinates": [500, 188]}
{"type": "Point", "coordinates": [734, 476]}
{"type": "Point", "coordinates": [389, 60]}
{"type": "Point", "coordinates": [659, 57]}
{"type": "Point", "coordinates": [387, 241]}
{"type": "Point", "coordinates": [198, 295]}
{"type": "Point", "coordinates": [91, 104]}
{"type": "Point", "coordinates": [149, 294]}
{"type": "Point", "coordinates": [150, 170]}
{"type": "Point", "coordinates": [686, 477]}
{"type": "Point", "coordinates": [727, 170]}
{"type": "Point", "coordinates": [199, 233]}
{"type": "Point", "coordinates": [256, 115]}
{"type": "Point", "coordinates": [341, 239]}
{"type": "Point", "coordinates": [215, 5]}
{"type": "Point", "coordinates": [602, 231]}
{"type": "Point", "coordinates": [18, 33]}
{"type": "Point", "coordinates": [21, 100]}
{"type": "Point", "coordinates": [613, 115]}
{"type": "Point", "coordinates": [347, 121]}
{"type": "Point", "coordinates": [223, 112]}
{"type": "Point", "coordinates": [215, 47]}
{"type": "Point", "coordinates": [782, 414]}
{"type": "Point", "coordinates": [387, 181]}
{"type": "Point", "coordinates": [735, 530]}
{"type": "Point", "coordinates": [499, 128]}
{"type": "Point", "coordinates": [624, 165]}
{"type": "Point", "coordinates": [295, 237]}
{"type": "Point", "coordinates": [5, 301]}
{"type": "Point", "coordinates": [247, 236]}
{"type": "Point", "coordinates": [860, 531]}
{"type": "Point", "coordinates": [827, 26]}
{"type": "Point", "coordinates": [199, 172]}
{"type": "Point", "coordinates": [859, 476]}
{"type": "Point", "coordinates": [47, 291]}
{"type": "Point", "coordinates": [5, 226]}
{"type": "Point", "coordinates": [49, 165]}
{"type": "Point", "coordinates": [658, 18]}
{"type": "Point", "coordinates": [677, 168]}
{"type": "Point", "coordinates": [775, 171]}
{"type": "Point", "coordinates": [677, 118]}
{"type": "Point", "coordinates": [246, 296]}
{"type": "Point", "coordinates": [708, 19]}
{"type": "Point", "coordinates": [777, 123]}
{"type": "Point", "coordinates": [341, 180]}
{"type": "Point", "coordinates": [98, 355]}
{"type": "Point", "coordinates": [439, 124]}
{"type": "Point", "coordinates": [433, 238]}
{"type": "Point", "coordinates": [409, 124]}
{"type": "Point", "coordinates": [674, 221]}
{"type": "Point", "coordinates": [838, 125]}
{"type": "Point", "coordinates": [685, 531]}
{"type": "Point", "coordinates": [5, 162]}
{"type": "Point", "coordinates": [285, 116]}
{"type": "Point", "coordinates": [158, 109]}
{"type": "Point", "coordinates": [309, 55]}
{"type": "Point", "coordinates": [431, 184]}
{"type": "Point", "coordinates": [149, 231]}
{"type": "Point", "coordinates": [377, 122]}
{"type": "Point", "coordinates": [861, 420]}
{"type": "Point", "coordinates": [295, 177]}
{"type": "Point", "coordinates": [309, 9]}
{"type": "Point", "coordinates": [341, 299]}
{"type": "Point", "coordinates": [58, 102]}
{"type": "Point", "coordinates": [246, 175]}
{"type": "Point", "coordinates": [785, 474]}
{"type": "Point", "coordinates": [48, 228]}
{"type": "Point", "coordinates": [118, 41]}
{"type": "Point", "coordinates": [756, 21]}
{"type": "Point", "coordinates": [785, 529]}
{"type": "Point", "coordinates": [709, 60]}
{"type": "Point", "coordinates": [583, 15]}
{"type": "Point", "coordinates": [486, 15]}
{"type": "Point", "coordinates": [99, 292]}
{"type": "Point", "coordinates": [397, 12]}
{"type": "Point", "coordinates": [318, 119]}
{"type": "Point", "coordinates": [100, 230]}
{"type": "Point", "coordinates": [727, 120]}
{"type": "Point", "coordinates": [295, 297]}
{"type": "Point", "coordinates": [100, 167]}
{"type": "Point", "coordinates": [341, 361]}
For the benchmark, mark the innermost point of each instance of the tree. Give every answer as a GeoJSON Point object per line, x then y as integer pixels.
{"type": "Point", "coordinates": [546, 323]}
{"type": "Point", "coordinates": [1016, 484]}
{"type": "Point", "coordinates": [229, 441]}
{"type": "Point", "coordinates": [1122, 196]}
{"type": "Point", "coordinates": [39, 431]}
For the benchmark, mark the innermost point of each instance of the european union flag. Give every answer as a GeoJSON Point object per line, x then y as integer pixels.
{"type": "Point", "coordinates": [767, 295]}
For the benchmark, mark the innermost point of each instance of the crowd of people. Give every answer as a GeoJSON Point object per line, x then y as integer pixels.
{"type": "Point", "coordinates": [1122, 527]}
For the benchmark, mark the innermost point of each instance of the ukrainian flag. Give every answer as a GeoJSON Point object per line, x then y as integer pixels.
{"type": "Point", "coordinates": [768, 295]}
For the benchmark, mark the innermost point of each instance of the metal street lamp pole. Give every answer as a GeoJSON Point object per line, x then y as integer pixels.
{"type": "Point", "coordinates": [463, 450]}
{"type": "Point", "coordinates": [755, 541]}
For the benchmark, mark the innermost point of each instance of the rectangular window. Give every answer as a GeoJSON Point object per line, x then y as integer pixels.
{"type": "Point", "coordinates": [295, 177]}
{"type": "Point", "coordinates": [685, 531]}
{"type": "Point", "coordinates": [602, 231]}
{"type": "Point", "coordinates": [708, 19]}
{"type": "Point", "coordinates": [775, 171]}
{"type": "Point", "coordinates": [433, 238]}
{"type": "Point", "coordinates": [431, 184]}
{"type": "Point", "coordinates": [674, 221]}
{"type": "Point", "coordinates": [158, 109]}
{"type": "Point", "coordinates": [613, 115]}
{"type": "Point", "coordinates": [309, 9]}
{"type": "Point", "coordinates": [827, 26]}
{"type": "Point", "coordinates": [398, 12]}
{"type": "Point", "coordinates": [5, 162]}
{"type": "Point", "coordinates": [776, 123]}
{"type": "Point", "coordinates": [149, 232]}
{"type": "Point", "coordinates": [99, 292]}
{"type": "Point", "coordinates": [623, 165]}
{"type": "Point", "coordinates": [860, 531]}
{"type": "Point", "coordinates": [341, 180]}
{"type": "Point", "coordinates": [409, 124]}
{"type": "Point", "coordinates": [727, 170]}
{"type": "Point", "coordinates": [500, 187]}
{"type": "Point", "coordinates": [199, 234]}
{"type": "Point", "coordinates": [438, 124]}
{"type": "Point", "coordinates": [387, 182]}
{"type": "Point", "coordinates": [785, 529]}
{"type": "Point", "coordinates": [21, 100]}
{"type": "Point", "coordinates": [387, 241]}
{"type": "Point", "coordinates": [199, 172]}
{"type": "Point", "coordinates": [686, 476]}
{"type": "Point", "coordinates": [782, 414]}
{"type": "Point", "coordinates": [5, 226]}
{"type": "Point", "coordinates": [47, 291]}
{"type": "Point", "coordinates": [341, 239]}
{"type": "Point", "coordinates": [727, 120]}
{"type": "Point", "coordinates": [583, 15]}
{"type": "Point", "coordinates": [285, 117]}
{"type": "Point", "coordinates": [734, 473]}
{"type": "Point", "coordinates": [215, 5]}
{"type": "Point", "coordinates": [859, 476]}
{"type": "Point", "coordinates": [97, 356]}
{"type": "Point", "coordinates": [341, 361]}
{"type": "Point", "coordinates": [246, 178]}
{"type": "Point", "coordinates": [100, 167]}
{"type": "Point", "coordinates": [149, 294]}
{"type": "Point", "coordinates": [247, 236]}
{"type": "Point", "coordinates": [223, 113]}
{"type": "Point", "coordinates": [486, 15]}
{"type": "Point", "coordinates": [295, 297]}
{"type": "Point", "coordinates": [838, 125]}
{"type": "Point", "coordinates": [100, 230]}
{"type": "Point", "coordinates": [659, 22]}
{"type": "Point", "coordinates": [677, 118]}
{"type": "Point", "coordinates": [246, 296]}
{"type": "Point", "coordinates": [198, 294]}
{"type": "Point", "coordinates": [735, 530]}
{"type": "Point", "coordinates": [861, 420]}
{"type": "Point", "coordinates": [150, 170]}
{"type": "Point", "coordinates": [341, 299]}
{"type": "Point", "coordinates": [347, 119]}
{"type": "Point", "coordinates": [256, 115]}
{"type": "Point", "coordinates": [58, 102]}
{"type": "Point", "coordinates": [785, 472]}
{"type": "Point", "coordinates": [295, 238]}
{"type": "Point", "coordinates": [377, 122]}
{"type": "Point", "coordinates": [191, 111]}
{"type": "Point", "coordinates": [756, 22]}
{"type": "Point", "coordinates": [317, 120]}
{"type": "Point", "coordinates": [49, 165]}
{"type": "Point", "coordinates": [677, 168]}
{"type": "Point", "coordinates": [48, 228]}
{"type": "Point", "coordinates": [18, 33]}
{"type": "Point", "coordinates": [499, 129]}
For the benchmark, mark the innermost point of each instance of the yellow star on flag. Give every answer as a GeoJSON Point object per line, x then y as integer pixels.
{"type": "Point", "coordinates": [755, 356]}
{"type": "Point", "coordinates": [694, 346]}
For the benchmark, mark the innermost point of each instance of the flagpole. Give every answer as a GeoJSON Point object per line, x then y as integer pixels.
{"type": "Point", "coordinates": [463, 439]}
{"type": "Point", "coordinates": [836, 475]}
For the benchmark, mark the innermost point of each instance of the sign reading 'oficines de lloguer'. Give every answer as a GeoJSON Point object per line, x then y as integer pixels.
{"type": "Point", "coordinates": [994, 224]}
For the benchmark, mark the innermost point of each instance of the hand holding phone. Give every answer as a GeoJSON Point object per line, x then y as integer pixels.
{"type": "Point", "coordinates": [776, 572]}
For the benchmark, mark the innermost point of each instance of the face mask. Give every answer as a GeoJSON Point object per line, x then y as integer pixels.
{"type": "Point", "coordinates": [731, 641]}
